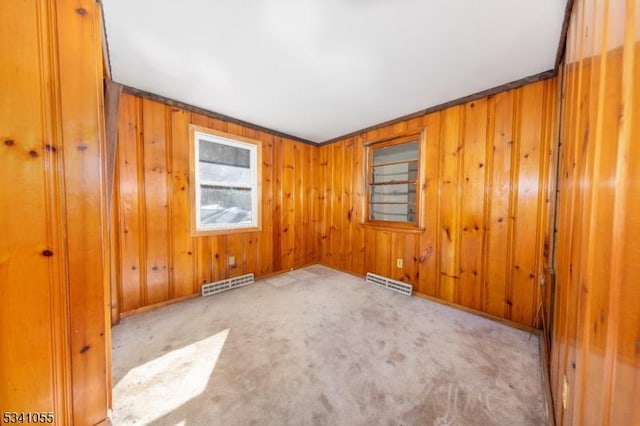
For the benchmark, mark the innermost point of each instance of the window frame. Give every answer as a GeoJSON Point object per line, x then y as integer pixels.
{"type": "Point", "coordinates": [371, 147]}
{"type": "Point", "coordinates": [196, 133]}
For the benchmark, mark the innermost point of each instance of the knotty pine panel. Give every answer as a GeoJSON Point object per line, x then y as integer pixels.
{"type": "Point", "coordinates": [596, 333]}
{"type": "Point", "coordinates": [485, 200]}
{"type": "Point", "coordinates": [54, 244]}
{"type": "Point", "coordinates": [158, 259]}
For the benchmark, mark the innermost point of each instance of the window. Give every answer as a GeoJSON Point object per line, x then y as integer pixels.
{"type": "Point", "coordinates": [393, 176]}
{"type": "Point", "coordinates": [225, 177]}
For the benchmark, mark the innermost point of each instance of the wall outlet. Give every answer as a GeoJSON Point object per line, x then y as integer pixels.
{"type": "Point", "coordinates": [399, 263]}
{"type": "Point", "coordinates": [565, 393]}
{"type": "Point", "coordinates": [232, 260]}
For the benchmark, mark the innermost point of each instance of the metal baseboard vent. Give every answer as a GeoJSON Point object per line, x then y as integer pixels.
{"type": "Point", "coordinates": [228, 284]}
{"type": "Point", "coordinates": [399, 286]}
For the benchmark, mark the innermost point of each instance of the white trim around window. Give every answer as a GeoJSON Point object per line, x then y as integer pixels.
{"type": "Point", "coordinates": [225, 182]}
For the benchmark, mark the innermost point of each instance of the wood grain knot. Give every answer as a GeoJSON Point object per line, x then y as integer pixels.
{"type": "Point", "coordinates": [82, 147]}
{"type": "Point", "coordinates": [81, 11]}
{"type": "Point", "coordinates": [85, 348]}
{"type": "Point", "coordinates": [47, 253]}
{"type": "Point", "coordinates": [9, 142]}
{"type": "Point", "coordinates": [33, 153]}
{"type": "Point", "coordinates": [50, 148]}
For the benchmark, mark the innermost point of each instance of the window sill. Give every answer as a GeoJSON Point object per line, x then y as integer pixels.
{"type": "Point", "coordinates": [223, 231]}
{"type": "Point", "coordinates": [394, 228]}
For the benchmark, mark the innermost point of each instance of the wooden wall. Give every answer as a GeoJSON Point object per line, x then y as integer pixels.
{"type": "Point", "coordinates": [52, 212]}
{"type": "Point", "coordinates": [486, 201]}
{"type": "Point", "coordinates": [157, 258]}
{"type": "Point", "coordinates": [596, 338]}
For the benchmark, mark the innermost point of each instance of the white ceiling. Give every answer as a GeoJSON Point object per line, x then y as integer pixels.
{"type": "Point", "coordinates": [319, 69]}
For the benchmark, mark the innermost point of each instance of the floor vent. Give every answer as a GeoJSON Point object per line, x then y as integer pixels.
{"type": "Point", "coordinates": [228, 284]}
{"type": "Point", "coordinates": [399, 286]}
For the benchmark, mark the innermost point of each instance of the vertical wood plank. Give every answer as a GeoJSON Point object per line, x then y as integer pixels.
{"type": "Point", "coordinates": [183, 267]}
{"type": "Point", "coordinates": [33, 286]}
{"type": "Point", "coordinates": [234, 244]}
{"type": "Point", "coordinates": [326, 164]}
{"type": "Point", "coordinates": [316, 206]}
{"type": "Point", "coordinates": [410, 259]}
{"type": "Point", "coordinates": [526, 232]}
{"type": "Point", "coordinates": [266, 248]}
{"type": "Point", "coordinates": [348, 224]}
{"type": "Point", "coordinates": [624, 266]}
{"type": "Point", "coordinates": [497, 279]}
{"type": "Point", "coordinates": [472, 207]}
{"type": "Point", "coordinates": [81, 108]}
{"type": "Point", "coordinates": [429, 249]}
{"type": "Point", "coordinates": [288, 230]}
{"type": "Point", "coordinates": [452, 152]}
{"type": "Point", "coordinates": [383, 254]}
{"type": "Point", "coordinates": [155, 190]}
{"type": "Point", "coordinates": [336, 224]}
{"type": "Point", "coordinates": [131, 270]}
{"type": "Point", "coordinates": [396, 253]}
{"type": "Point", "coordinates": [278, 194]}
{"type": "Point", "coordinates": [298, 196]}
{"type": "Point", "coordinates": [358, 200]}
{"type": "Point", "coordinates": [371, 255]}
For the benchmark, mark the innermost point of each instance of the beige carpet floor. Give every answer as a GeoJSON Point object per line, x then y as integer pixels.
{"type": "Point", "coordinates": [320, 347]}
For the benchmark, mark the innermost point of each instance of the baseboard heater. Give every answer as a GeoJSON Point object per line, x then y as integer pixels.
{"type": "Point", "coordinates": [228, 284]}
{"type": "Point", "coordinates": [399, 286]}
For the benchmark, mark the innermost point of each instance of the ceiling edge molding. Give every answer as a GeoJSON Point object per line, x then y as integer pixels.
{"type": "Point", "coordinates": [562, 43]}
{"type": "Point", "coordinates": [212, 114]}
{"type": "Point", "coordinates": [494, 90]}
{"type": "Point", "coordinates": [106, 55]}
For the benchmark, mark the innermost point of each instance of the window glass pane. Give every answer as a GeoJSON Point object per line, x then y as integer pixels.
{"type": "Point", "coordinates": [393, 174]}
{"type": "Point", "coordinates": [224, 163]}
{"type": "Point", "coordinates": [225, 174]}
{"type": "Point", "coordinates": [396, 172]}
{"type": "Point", "coordinates": [225, 206]}
{"type": "Point", "coordinates": [396, 153]}
{"type": "Point", "coordinates": [394, 193]}
{"type": "Point", "coordinates": [393, 212]}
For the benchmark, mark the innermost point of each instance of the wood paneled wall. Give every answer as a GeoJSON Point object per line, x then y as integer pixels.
{"type": "Point", "coordinates": [53, 336]}
{"type": "Point", "coordinates": [596, 338]}
{"type": "Point", "coordinates": [157, 258]}
{"type": "Point", "coordinates": [486, 204]}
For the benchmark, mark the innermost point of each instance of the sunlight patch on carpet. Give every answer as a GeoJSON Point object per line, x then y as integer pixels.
{"type": "Point", "coordinates": [168, 381]}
